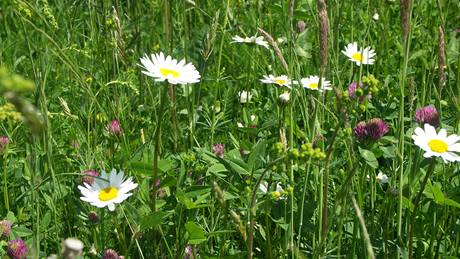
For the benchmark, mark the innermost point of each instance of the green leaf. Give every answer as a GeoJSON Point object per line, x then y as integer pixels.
{"type": "Point", "coordinates": [237, 168]}
{"type": "Point", "coordinates": [450, 202]}
{"type": "Point", "coordinates": [140, 168]}
{"type": "Point", "coordinates": [195, 232]}
{"type": "Point", "coordinates": [152, 220]}
{"type": "Point", "coordinates": [437, 194]}
{"type": "Point", "coordinates": [217, 169]}
{"type": "Point", "coordinates": [388, 151]}
{"type": "Point", "coordinates": [369, 157]}
{"type": "Point", "coordinates": [22, 231]}
{"type": "Point", "coordinates": [254, 160]}
{"type": "Point", "coordinates": [10, 216]}
{"type": "Point", "coordinates": [166, 165]}
{"type": "Point", "coordinates": [407, 203]}
{"type": "Point", "coordinates": [181, 198]}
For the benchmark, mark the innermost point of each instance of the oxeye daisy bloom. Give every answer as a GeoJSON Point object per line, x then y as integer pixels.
{"type": "Point", "coordinates": [281, 80]}
{"type": "Point", "coordinates": [312, 83]}
{"type": "Point", "coordinates": [107, 190]}
{"type": "Point", "coordinates": [253, 39]}
{"type": "Point", "coordinates": [162, 69]}
{"type": "Point", "coordinates": [437, 144]}
{"type": "Point", "coordinates": [359, 56]}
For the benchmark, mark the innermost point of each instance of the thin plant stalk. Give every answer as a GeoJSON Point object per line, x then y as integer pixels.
{"type": "Point", "coordinates": [5, 181]}
{"type": "Point", "coordinates": [370, 251]}
{"type": "Point", "coordinates": [132, 232]}
{"type": "Point", "coordinates": [406, 13]}
{"type": "Point", "coordinates": [416, 205]}
{"type": "Point", "coordinates": [156, 152]}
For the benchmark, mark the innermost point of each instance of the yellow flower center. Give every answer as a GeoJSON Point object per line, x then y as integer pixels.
{"type": "Point", "coordinates": [313, 85]}
{"type": "Point", "coordinates": [438, 145]}
{"type": "Point", "coordinates": [280, 81]}
{"type": "Point", "coordinates": [166, 72]}
{"type": "Point", "coordinates": [357, 57]}
{"type": "Point", "coordinates": [108, 194]}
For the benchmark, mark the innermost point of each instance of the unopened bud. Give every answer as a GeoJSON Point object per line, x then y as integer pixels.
{"type": "Point", "coordinates": [72, 248]}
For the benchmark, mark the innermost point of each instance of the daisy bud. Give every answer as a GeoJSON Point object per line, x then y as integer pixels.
{"type": "Point", "coordinates": [89, 176]}
{"type": "Point", "coordinates": [114, 128]}
{"type": "Point", "coordinates": [376, 128]}
{"type": "Point", "coordinates": [360, 130]}
{"type": "Point", "coordinates": [5, 226]}
{"type": "Point", "coordinates": [17, 249]}
{"type": "Point", "coordinates": [301, 25]}
{"type": "Point", "coordinates": [382, 178]}
{"type": "Point", "coordinates": [110, 254]}
{"type": "Point", "coordinates": [376, 17]}
{"type": "Point", "coordinates": [4, 141]}
{"type": "Point", "coordinates": [218, 150]}
{"type": "Point", "coordinates": [72, 248]}
{"type": "Point", "coordinates": [93, 217]}
{"type": "Point", "coordinates": [245, 96]}
{"type": "Point", "coordinates": [284, 98]}
{"type": "Point", "coordinates": [427, 114]}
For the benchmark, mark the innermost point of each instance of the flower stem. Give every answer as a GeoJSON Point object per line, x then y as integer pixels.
{"type": "Point", "coordinates": [5, 183]}
{"type": "Point", "coordinates": [156, 151]}
{"type": "Point", "coordinates": [417, 203]}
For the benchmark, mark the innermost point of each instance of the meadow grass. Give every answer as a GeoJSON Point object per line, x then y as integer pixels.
{"type": "Point", "coordinates": [275, 172]}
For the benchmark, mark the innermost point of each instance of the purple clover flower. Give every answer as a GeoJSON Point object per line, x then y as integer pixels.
{"type": "Point", "coordinates": [4, 141]}
{"type": "Point", "coordinates": [218, 150]}
{"type": "Point", "coordinates": [427, 114]}
{"type": "Point", "coordinates": [114, 128]}
{"type": "Point", "coordinates": [89, 176]}
{"type": "Point", "coordinates": [17, 249]}
{"type": "Point", "coordinates": [360, 130]}
{"type": "Point", "coordinates": [376, 128]}
{"type": "Point", "coordinates": [110, 254]}
{"type": "Point", "coordinates": [5, 228]}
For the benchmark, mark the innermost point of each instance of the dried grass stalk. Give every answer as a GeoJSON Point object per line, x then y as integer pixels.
{"type": "Point", "coordinates": [323, 32]}
{"type": "Point", "coordinates": [278, 53]}
{"type": "Point", "coordinates": [441, 59]}
{"type": "Point", "coordinates": [405, 12]}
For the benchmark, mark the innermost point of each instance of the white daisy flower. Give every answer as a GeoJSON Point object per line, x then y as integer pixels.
{"type": "Point", "coordinates": [281, 80]}
{"type": "Point", "coordinates": [312, 83]}
{"type": "Point", "coordinates": [162, 69]}
{"type": "Point", "coordinates": [359, 56]}
{"type": "Point", "coordinates": [107, 190]}
{"type": "Point", "coordinates": [382, 178]}
{"type": "Point", "coordinates": [253, 39]}
{"type": "Point", "coordinates": [437, 144]}
{"type": "Point", "coordinates": [245, 96]}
